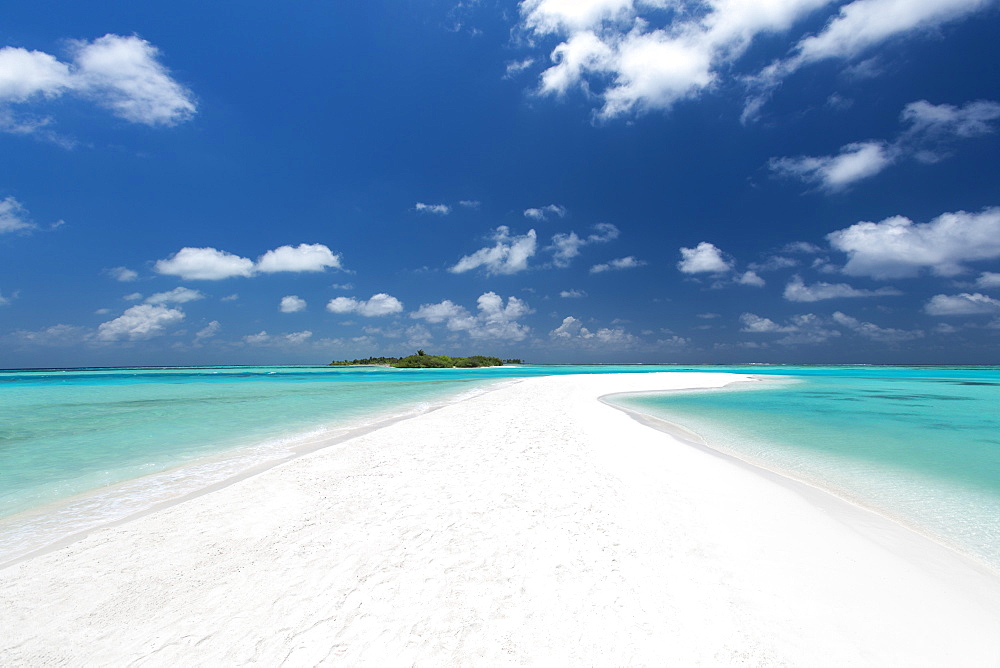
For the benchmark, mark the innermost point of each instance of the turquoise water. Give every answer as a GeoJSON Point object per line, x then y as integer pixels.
{"type": "Point", "coordinates": [919, 444]}
{"type": "Point", "coordinates": [83, 447]}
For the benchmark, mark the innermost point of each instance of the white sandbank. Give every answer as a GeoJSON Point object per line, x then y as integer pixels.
{"type": "Point", "coordinates": [529, 525]}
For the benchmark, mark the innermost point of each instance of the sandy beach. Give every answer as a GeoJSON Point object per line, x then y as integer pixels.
{"type": "Point", "coordinates": [533, 524]}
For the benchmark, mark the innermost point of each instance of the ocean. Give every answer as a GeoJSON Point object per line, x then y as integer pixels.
{"type": "Point", "coordinates": [81, 448]}
{"type": "Point", "coordinates": [920, 445]}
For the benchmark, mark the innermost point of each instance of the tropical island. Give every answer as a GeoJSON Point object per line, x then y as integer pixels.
{"type": "Point", "coordinates": [424, 361]}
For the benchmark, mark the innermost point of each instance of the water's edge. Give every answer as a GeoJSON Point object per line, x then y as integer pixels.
{"type": "Point", "coordinates": [886, 530]}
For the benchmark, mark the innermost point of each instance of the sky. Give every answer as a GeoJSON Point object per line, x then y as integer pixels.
{"type": "Point", "coordinates": [561, 181]}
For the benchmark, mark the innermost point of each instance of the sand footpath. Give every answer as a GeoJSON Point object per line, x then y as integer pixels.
{"type": "Point", "coordinates": [529, 525]}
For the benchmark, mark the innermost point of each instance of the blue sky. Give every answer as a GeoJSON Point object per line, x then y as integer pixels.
{"type": "Point", "coordinates": [591, 181]}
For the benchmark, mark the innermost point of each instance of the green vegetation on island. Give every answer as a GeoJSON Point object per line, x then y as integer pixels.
{"type": "Point", "coordinates": [424, 361]}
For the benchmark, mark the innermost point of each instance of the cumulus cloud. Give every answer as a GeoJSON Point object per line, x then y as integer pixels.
{"type": "Point", "coordinates": [634, 56]}
{"type": "Point", "coordinates": [544, 212]}
{"type": "Point", "coordinates": [208, 331]}
{"type": "Point", "coordinates": [800, 329]}
{"type": "Point", "coordinates": [304, 257]}
{"type": "Point", "coordinates": [618, 264]}
{"type": "Point", "coordinates": [874, 332]}
{"type": "Point", "coordinates": [862, 24]}
{"type": "Point", "coordinates": [566, 246]}
{"type": "Point", "coordinates": [292, 304]}
{"type": "Point", "coordinates": [175, 296]}
{"type": "Point", "coordinates": [144, 321]}
{"type": "Point", "coordinates": [703, 258]}
{"type": "Point", "coordinates": [123, 274]}
{"type": "Point", "coordinates": [494, 320]}
{"type": "Point", "coordinates": [858, 28]}
{"type": "Point", "coordinates": [508, 255]}
{"type": "Point", "coordinates": [572, 294]}
{"type": "Point", "coordinates": [439, 209]}
{"type": "Point", "coordinates": [378, 305]}
{"type": "Point", "coordinates": [211, 264]}
{"type": "Point", "coordinates": [855, 161]}
{"type": "Point", "coordinates": [14, 217]}
{"type": "Point", "coordinates": [988, 280]}
{"type": "Point", "coordinates": [965, 303]}
{"type": "Point", "coordinates": [204, 264]}
{"type": "Point", "coordinates": [572, 330]}
{"type": "Point", "coordinates": [262, 338]}
{"type": "Point", "coordinates": [897, 247]}
{"type": "Point", "coordinates": [930, 129]}
{"type": "Point", "coordinates": [120, 74]}
{"type": "Point", "coordinates": [750, 278]}
{"type": "Point", "coordinates": [798, 291]}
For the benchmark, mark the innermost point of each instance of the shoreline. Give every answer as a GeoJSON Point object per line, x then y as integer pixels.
{"type": "Point", "coordinates": [854, 512]}
{"type": "Point", "coordinates": [296, 444]}
{"type": "Point", "coordinates": [529, 523]}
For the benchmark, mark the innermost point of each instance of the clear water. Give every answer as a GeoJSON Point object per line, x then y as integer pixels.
{"type": "Point", "coordinates": [919, 444]}
{"type": "Point", "coordinates": [80, 448]}
{"type": "Point", "coordinates": [84, 447]}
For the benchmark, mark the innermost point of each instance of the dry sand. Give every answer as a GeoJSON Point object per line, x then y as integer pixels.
{"type": "Point", "coordinates": [529, 525]}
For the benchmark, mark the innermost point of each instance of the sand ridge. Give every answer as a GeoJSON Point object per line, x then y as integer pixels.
{"type": "Point", "coordinates": [530, 525]}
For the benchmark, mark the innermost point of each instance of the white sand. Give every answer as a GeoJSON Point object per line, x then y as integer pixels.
{"type": "Point", "coordinates": [531, 525]}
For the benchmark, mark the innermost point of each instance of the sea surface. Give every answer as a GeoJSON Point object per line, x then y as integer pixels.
{"type": "Point", "coordinates": [80, 448]}
{"type": "Point", "coordinates": [920, 445]}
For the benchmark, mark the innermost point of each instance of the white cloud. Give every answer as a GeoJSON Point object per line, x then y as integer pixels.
{"type": "Point", "coordinates": [988, 280]}
{"type": "Point", "coordinates": [470, 203]}
{"type": "Point", "coordinates": [516, 67]}
{"type": "Point", "coordinates": [862, 24]}
{"type": "Point", "coordinates": [123, 274]}
{"type": "Point", "coordinates": [572, 294]}
{"type": "Point", "coordinates": [304, 257]}
{"type": "Point", "coordinates": [442, 312]}
{"type": "Point", "coordinates": [378, 305]}
{"type": "Point", "coordinates": [855, 162]}
{"type": "Point", "coordinates": [204, 264]}
{"type": "Point", "coordinates": [439, 209]}
{"type": "Point", "coordinates": [495, 320]}
{"type": "Point", "coordinates": [56, 335]}
{"type": "Point", "coordinates": [292, 304]}
{"type": "Point", "coordinates": [121, 74]}
{"type": "Point", "coordinates": [756, 324]}
{"type": "Point", "coordinates": [13, 215]}
{"type": "Point", "coordinates": [542, 213]}
{"type": "Point", "coordinates": [896, 247]}
{"type": "Point", "coordinates": [509, 254]}
{"type": "Point", "coordinates": [139, 322]}
{"type": "Point", "coordinates": [798, 291]}
{"type": "Point", "coordinates": [133, 297]}
{"type": "Point", "coordinates": [618, 264]}
{"type": "Point", "coordinates": [801, 329]}
{"type": "Point", "coordinates": [930, 128]}
{"type": "Point", "coordinates": [298, 337]}
{"type": "Point", "coordinates": [972, 120]}
{"type": "Point", "coordinates": [175, 296]}
{"type": "Point", "coordinates": [257, 339]}
{"type": "Point", "coordinates": [210, 264]}
{"type": "Point", "coordinates": [874, 332]}
{"type": "Point", "coordinates": [750, 278]}
{"type": "Point", "coordinates": [703, 258]}
{"type": "Point", "coordinates": [208, 331]}
{"type": "Point", "coordinates": [965, 303]}
{"type": "Point", "coordinates": [644, 55]}
{"type": "Point", "coordinates": [567, 246]}
{"type": "Point", "coordinates": [572, 330]}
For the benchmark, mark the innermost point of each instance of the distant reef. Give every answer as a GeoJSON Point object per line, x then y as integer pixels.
{"type": "Point", "coordinates": [424, 361]}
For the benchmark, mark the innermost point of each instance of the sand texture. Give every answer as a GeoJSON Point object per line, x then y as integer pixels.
{"type": "Point", "coordinates": [529, 525]}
